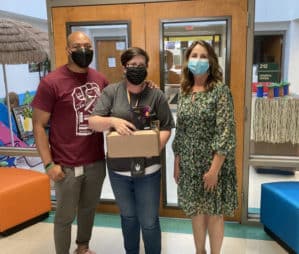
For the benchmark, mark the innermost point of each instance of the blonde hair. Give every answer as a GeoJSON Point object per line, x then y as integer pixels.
{"type": "Point", "coordinates": [13, 100]}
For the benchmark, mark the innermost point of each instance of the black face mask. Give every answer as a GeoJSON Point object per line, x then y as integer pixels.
{"type": "Point", "coordinates": [136, 75]}
{"type": "Point", "coordinates": [82, 57]}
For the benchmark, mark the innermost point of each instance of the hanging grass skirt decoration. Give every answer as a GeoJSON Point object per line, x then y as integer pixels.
{"type": "Point", "coordinates": [276, 120]}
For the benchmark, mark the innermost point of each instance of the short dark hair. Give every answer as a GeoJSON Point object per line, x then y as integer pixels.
{"type": "Point", "coordinates": [132, 52]}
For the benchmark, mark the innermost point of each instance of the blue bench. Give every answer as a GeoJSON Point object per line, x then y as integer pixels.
{"type": "Point", "coordinates": [280, 213]}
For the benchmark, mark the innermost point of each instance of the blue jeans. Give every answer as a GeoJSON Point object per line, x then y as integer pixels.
{"type": "Point", "coordinates": [138, 199]}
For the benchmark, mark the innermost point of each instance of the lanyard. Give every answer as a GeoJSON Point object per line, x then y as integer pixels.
{"type": "Point", "coordinates": [129, 99]}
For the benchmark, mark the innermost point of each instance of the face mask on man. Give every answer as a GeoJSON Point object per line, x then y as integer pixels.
{"type": "Point", "coordinates": [136, 75]}
{"type": "Point", "coordinates": [198, 67]}
{"type": "Point", "coordinates": [82, 57]}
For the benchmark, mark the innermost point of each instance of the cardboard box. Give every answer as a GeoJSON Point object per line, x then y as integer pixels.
{"type": "Point", "coordinates": [143, 143]}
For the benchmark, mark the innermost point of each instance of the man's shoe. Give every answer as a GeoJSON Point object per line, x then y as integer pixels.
{"type": "Point", "coordinates": [83, 249]}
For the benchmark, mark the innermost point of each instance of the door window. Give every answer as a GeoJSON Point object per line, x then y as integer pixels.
{"type": "Point", "coordinates": [177, 36]}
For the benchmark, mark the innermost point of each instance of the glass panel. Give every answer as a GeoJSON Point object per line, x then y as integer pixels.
{"type": "Point", "coordinates": [275, 100]}
{"type": "Point", "coordinates": [16, 115]}
{"type": "Point", "coordinates": [109, 41]}
{"type": "Point", "coordinates": [274, 115]}
{"type": "Point", "coordinates": [260, 175]}
{"type": "Point", "coordinates": [176, 37]}
{"type": "Point", "coordinates": [15, 98]}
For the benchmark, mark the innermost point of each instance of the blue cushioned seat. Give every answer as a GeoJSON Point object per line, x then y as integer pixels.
{"type": "Point", "coordinates": [280, 212]}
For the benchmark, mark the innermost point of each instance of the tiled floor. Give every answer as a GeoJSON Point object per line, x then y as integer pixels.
{"type": "Point", "coordinates": [107, 238]}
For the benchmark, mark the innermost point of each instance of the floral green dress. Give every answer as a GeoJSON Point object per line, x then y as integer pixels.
{"type": "Point", "coordinates": [206, 125]}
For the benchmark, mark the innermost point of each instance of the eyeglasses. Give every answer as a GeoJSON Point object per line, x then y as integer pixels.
{"type": "Point", "coordinates": [135, 65]}
{"type": "Point", "coordinates": [79, 46]}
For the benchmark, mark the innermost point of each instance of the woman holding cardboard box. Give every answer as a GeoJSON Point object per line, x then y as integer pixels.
{"type": "Point", "coordinates": [126, 107]}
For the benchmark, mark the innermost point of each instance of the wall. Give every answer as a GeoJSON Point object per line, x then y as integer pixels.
{"type": "Point", "coordinates": [293, 73]}
{"type": "Point", "coordinates": [276, 10]}
{"type": "Point", "coordinates": [19, 79]}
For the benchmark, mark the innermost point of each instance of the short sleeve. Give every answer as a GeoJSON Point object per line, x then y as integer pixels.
{"type": "Point", "coordinates": [45, 97]}
{"type": "Point", "coordinates": [105, 102]}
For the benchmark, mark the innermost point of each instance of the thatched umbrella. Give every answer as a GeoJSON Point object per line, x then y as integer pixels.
{"type": "Point", "coordinates": [20, 43]}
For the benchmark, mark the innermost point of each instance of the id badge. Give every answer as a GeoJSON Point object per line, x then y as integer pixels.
{"type": "Point", "coordinates": [79, 171]}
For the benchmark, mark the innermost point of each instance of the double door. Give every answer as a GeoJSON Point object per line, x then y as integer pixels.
{"type": "Point", "coordinates": [164, 30]}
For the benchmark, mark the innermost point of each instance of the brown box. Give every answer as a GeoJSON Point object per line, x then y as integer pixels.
{"type": "Point", "coordinates": [143, 143]}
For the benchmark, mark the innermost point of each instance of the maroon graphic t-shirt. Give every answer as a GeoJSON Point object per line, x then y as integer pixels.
{"type": "Point", "coordinates": [70, 98]}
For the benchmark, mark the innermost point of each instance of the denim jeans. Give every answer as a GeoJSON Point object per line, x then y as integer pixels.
{"type": "Point", "coordinates": [138, 199]}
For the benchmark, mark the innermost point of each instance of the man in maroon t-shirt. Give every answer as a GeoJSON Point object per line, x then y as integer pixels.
{"type": "Point", "coordinates": [73, 155]}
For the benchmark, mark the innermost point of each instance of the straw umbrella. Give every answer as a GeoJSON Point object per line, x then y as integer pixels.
{"type": "Point", "coordinates": [20, 43]}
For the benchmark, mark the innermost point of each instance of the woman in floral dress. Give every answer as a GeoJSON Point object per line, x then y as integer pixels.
{"type": "Point", "coordinates": [204, 147]}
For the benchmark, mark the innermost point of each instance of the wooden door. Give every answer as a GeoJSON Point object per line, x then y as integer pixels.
{"type": "Point", "coordinates": [108, 58]}
{"type": "Point", "coordinates": [237, 11]}
{"type": "Point", "coordinates": [145, 32]}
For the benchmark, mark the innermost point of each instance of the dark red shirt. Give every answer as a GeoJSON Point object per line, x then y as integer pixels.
{"type": "Point", "coordinates": [70, 98]}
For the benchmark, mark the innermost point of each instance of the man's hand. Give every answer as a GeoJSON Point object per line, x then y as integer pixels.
{"type": "Point", "coordinates": [151, 84]}
{"type": "Point", "coordinates": [55, 173]}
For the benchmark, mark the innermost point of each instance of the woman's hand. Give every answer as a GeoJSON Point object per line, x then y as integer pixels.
{"type": "Point", "coordinates": [210, 179]}
{"type": "Point", "coordinates": [123, 127]}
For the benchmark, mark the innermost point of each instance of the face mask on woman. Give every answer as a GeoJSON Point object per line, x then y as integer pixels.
{"type": "Point", "coordinates": [136, 75]}
{"type": "Point", "coordinates": [198, 67]}
{"type": "Point", "coordinates": [82, 57]}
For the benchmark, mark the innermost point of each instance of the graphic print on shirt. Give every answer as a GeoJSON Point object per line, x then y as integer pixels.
{"type": "Point", "coordinates": [84, 99]}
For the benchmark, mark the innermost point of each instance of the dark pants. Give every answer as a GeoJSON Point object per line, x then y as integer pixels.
{"type": "Point", "coordinates": [138, 199]}
{"type": "Point", "coordinates": [77, 195]}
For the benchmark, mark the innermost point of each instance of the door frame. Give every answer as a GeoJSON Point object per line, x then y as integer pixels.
{"type": "Point", "coordinates": [107, 38]}
{"type": "Point", "coordinates": [246, 7]}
